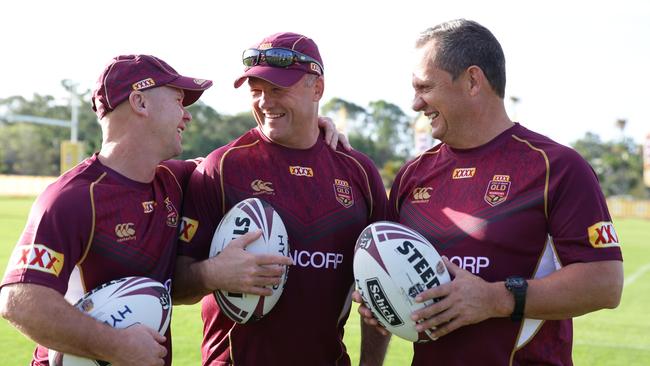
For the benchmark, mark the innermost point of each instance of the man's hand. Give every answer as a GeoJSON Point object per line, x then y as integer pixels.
{"type": "Point", "coordinates": [237, 270]}
{"type": "Point", "coordinates": [332, 136]}
{"type": "Point", "coordinates": [467, 299]}
{"type": "Point", "coordinates": [366, 314]}
{"type": "Point", "coordinates": [141, 347]}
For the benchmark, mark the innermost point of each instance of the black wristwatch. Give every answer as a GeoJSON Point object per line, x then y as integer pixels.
{"type": "Point", "coordinates": [517, 285]}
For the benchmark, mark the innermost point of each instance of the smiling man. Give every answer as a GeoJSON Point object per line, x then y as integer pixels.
{"type": "Point", "coordinates": [522, 220]}
{"type": "Point", "coordinates": [325, 198]}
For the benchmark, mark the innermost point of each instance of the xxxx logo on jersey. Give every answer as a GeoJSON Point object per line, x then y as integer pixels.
{"type": "Point", "coordinates": [37, 257]}
{"type": "Point", "coordinates": [463, 173]}
{"type": "Point", "coordinates": [187, 229]}
{"type": "Point", "coordinates": [261, 187]}
{"type": "Point", "coordinates": [301, 171]}
{"type": "Point", "coordinates": [602, 235]}
{"type": "Point", "coordinates": [497, 190]}
{"type": "Point", "coordinates": [343, 193]}
{"type": "Point", "coordinates": [421, 194]}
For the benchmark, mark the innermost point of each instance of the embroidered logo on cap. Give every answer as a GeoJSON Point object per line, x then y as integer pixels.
{"type": "Point", "coordinates": [146, 83]}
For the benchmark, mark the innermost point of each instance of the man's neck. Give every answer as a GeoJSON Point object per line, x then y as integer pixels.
{"type": "Point", "coordinates": [131, 162]}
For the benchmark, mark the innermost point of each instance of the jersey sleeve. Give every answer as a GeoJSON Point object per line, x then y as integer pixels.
{"type": "Point", "coordinates": [579, 221]}
{"type": "Point", "coordinates": [202, 209]}
{"type": "Point", "coordinates": [54, 240]}
{"type": "Point", "coordinates": [377, 190]}
{"type": "Point", "coordinates": [182, 169]}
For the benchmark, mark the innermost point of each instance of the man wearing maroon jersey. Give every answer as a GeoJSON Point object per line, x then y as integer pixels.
{"type": "Point", "coordinates": [520, 218]}
{"type": "Point", "coordinates": [324, 197]}
{"type": "Point", "coordinates": [114, 215]}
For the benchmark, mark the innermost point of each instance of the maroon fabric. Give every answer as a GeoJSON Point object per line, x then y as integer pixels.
{"type": "Point", "coordinates": [127, 73]}
{"type": "Point", "coordinates": [284, 77]}
{"type": "Point", "coordinates": [133, 233]}
{"type": "Point", "coordinates": [325, 199]}
{"type": "Point", "coordinates": [484, 208]}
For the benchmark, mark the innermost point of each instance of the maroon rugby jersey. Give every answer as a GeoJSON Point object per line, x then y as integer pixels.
{"type": "Point", "coordinates": [521, 204]}
{"type": "Point", "coordinates": [93, 225]}
{"type": "Point", "coordinates": [325, 198]}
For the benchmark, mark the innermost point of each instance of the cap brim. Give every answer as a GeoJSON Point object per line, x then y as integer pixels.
{"type": "Point", "coordinates": [192, 87]}
{"type": "Point", "coordinates": [283, 78]}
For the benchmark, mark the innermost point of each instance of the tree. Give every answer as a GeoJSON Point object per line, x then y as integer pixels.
{"type": "Point", "coordinates": [382, 131]}
{"type": "Point", "coordinates": [618, 164]}
{"type": "Point", "coordinates": [209, 130]}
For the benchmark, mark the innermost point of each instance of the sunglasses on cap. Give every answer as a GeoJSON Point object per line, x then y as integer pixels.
{"type": "Point", "coordinates": [276, 57]}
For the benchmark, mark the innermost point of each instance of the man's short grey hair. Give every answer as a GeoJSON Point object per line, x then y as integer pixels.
{"type": "Point", "coordinates": [462, 43]}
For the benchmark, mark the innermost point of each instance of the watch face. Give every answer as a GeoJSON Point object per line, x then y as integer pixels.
{"type": "Point", "coordinates": [516, 282]}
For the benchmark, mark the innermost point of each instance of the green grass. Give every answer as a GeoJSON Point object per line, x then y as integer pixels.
{"type": "Point", "coordinates": [606, 337]}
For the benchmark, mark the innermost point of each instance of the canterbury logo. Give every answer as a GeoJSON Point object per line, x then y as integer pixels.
{"type": "Point", "coordinates": [125, 231]}
{"type": "Point", "coordinates": [462, 173]}
{"type": "Point", "coordinates": [260, 186]}
{"type": "Point", "coordinates": [146, 83]}
{"type": "Point", "coordinates": [421, 193]}
{"type": "Point", "coordinates": [301, 171]}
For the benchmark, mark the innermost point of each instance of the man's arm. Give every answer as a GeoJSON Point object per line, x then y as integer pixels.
{"type": "Point", "coordinates": [373, 345]}
{"type": "Point", "coordinates": [234, 270]}
{"type": "Point", "coordinates": [573, 290]}
{"type": "Point", "coordinates": [43, 315]}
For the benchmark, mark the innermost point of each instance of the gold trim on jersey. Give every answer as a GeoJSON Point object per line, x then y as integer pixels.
{"type": "Point", "coordinates": [173, 176]}
{"type": "Point", "coordinates": [92, 230]}
{"type": "Point", "coordinates": [548, 170]}
{"type": "Point", "coordinates": [223, 158]}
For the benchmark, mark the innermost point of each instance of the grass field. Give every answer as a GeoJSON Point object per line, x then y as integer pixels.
{"type": "Point", "coordinates": [607, 337]}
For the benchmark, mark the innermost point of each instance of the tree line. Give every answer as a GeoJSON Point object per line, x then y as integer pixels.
{"type": "Point", "coordinates": [381, 130]}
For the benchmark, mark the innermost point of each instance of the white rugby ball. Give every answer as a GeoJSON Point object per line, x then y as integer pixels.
{"type": "Point", "coordinates": [249, 215]}
{"type": "Point", "coordinates": [121, 303]}
{"type": "Point", "coordinates": [392, 264]}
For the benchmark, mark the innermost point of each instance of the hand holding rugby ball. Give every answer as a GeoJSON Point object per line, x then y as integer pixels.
{"type": "Point", "coordinates": [121, 303]}
{"type": "Point", "coordinates": [392, 264]}
{"type": "Point", "coordinates": [249, 215]}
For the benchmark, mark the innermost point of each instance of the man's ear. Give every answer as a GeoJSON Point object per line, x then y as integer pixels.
{"type": "Point", "coordinates": [138, 102]}
{"type": "Point", "coordinates": [475, 79]}
{"type": "Point", "coordinates": [319, 88]}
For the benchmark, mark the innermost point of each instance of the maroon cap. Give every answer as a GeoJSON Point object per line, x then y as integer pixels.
{"type": "Point", "coordinates": [285, 76]}
{"type": "Point", "coordinates": [127, 73]}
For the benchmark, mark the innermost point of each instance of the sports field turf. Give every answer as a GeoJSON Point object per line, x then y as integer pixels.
{"type": "Point", "coordinates": [607, 337]}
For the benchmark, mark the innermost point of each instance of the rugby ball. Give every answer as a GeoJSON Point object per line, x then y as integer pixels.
{"type": "Point", "coordinates": [392, 264]}
{"type": "Point", "coordinates": [249, 215]}
{"type": "Point", "coordinates": [121, 303]}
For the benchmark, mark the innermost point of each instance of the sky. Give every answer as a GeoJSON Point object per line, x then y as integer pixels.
{"type": "Point", "coordinates": [574, 66]}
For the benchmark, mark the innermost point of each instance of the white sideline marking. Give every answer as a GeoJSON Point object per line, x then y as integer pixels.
{"type": "Point", "coordinates": [635, 276]}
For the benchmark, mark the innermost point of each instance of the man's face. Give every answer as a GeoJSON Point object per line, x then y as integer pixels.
{"type": "Point", "coordinates": [438, 96]}
{"type": "Point", "coordinates": [168, 119]}
{"type": "Point", "coordinates": [287, 116]}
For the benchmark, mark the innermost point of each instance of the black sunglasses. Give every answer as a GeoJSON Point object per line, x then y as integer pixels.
{"type": "Point", "coordinates": [277, 57]}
